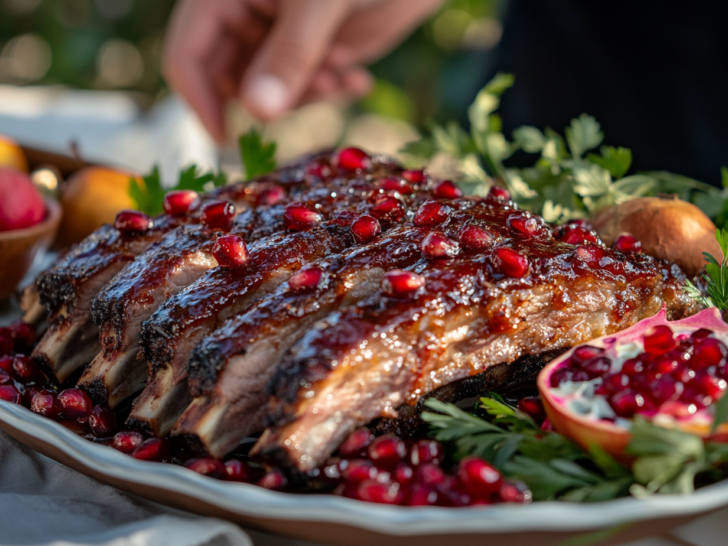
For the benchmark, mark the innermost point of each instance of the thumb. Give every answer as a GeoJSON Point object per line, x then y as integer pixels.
{"type": "Point", "coordinates": [291, 54]}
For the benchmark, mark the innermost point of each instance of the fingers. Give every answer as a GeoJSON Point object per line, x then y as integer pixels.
{"type": "Point", "coordinates": [196, 32]}
{"type": "Point", "coordinates": [327, 84]}
{"type": "Point", "coordinates": [290, 56]}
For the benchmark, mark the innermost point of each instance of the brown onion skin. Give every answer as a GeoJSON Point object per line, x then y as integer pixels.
{"type": "Point", "coordinates": [667, 227]}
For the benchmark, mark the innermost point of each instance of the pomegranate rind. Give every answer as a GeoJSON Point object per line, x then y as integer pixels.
{"type": "Point", "coordinates": [605, 434]}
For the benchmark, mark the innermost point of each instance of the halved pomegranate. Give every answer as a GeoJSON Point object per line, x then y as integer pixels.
{"type": "Point", "coordinates": [670, 373]}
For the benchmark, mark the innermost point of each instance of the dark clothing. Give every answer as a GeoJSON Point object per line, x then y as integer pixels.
{"type": "Point", "coordinates": [653, 73]}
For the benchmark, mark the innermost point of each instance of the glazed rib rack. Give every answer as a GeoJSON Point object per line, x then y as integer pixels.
{"type": "Point", "coordinates": [367, 287]}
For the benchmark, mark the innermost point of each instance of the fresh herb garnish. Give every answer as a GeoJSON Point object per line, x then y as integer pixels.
{"type": "Point", "coordinates": [665, 461]}
{"type": "Point", "coordinates": [258, 157]}
{"type": "Point", "coordinates": [568, 180]}
{"type": "Point", "coordinates": [716, 277]}
{"type": "Point", "coordinates": [149, 195]}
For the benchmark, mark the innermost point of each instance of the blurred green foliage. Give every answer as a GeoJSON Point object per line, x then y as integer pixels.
{"type": "Point", "coordinates": [433, 75]}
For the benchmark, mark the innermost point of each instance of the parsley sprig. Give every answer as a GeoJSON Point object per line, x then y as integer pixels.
{"type": "Point", "coordinates": [258, 157]}
{"type": "Point", "coordinates": [568, 178]}
{"type": "Point", "coordinates": [716, 277]}
{"type": "Point", "coordinates": [554, 468]}
{"type": "Point", "coordinates": [149, 195]}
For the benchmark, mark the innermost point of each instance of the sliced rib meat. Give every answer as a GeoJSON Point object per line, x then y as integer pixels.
{"type": "Point", "coordinates": [365, 361]}
{"type": "Point", "coordinates": [67, 289]}
{"type": "Point", "coordinates": [173, 331]}
{"type": "Point", "coordinates": [230, 369]}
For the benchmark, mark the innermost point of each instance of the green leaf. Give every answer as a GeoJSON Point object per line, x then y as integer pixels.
{"type": "Point", "coordinates": [148, 196]}
{"type": "Point", "coordinates": [724, 176]}
{"type": "Point", "coordinates": [420, 150]}
{"type": "Point", "coordinates": [529, 139]}
{"type": "Point", "coordinates": [591, 180]}
{"type": "Point", "coordinates": [721, 413]}
{"type": "Point", "coordinates": [258, 157]}
{"type": "Point", "coordinates": [500, 83]}
{"type": "Point", "coordinates": [616, 160]}
{"type": "Point", "coordinates": [694, 293]}
{"type": "Point", "coordinates": [583, 134]}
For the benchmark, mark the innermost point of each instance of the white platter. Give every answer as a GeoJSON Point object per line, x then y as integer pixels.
{"type": "Point", "coordinates": [336, 520]}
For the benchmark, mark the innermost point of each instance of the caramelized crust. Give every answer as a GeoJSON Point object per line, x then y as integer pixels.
{"type": "Point", "coordinates": [365, 361]}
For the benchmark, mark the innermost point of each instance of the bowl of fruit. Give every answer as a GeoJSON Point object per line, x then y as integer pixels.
{"type": "Point", "coordinates": [28, 223]}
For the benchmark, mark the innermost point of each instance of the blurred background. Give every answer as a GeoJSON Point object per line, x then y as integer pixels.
{"type": "Point", "coordinates": [88, 71]}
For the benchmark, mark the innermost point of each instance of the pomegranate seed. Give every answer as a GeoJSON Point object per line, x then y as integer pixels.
{"type": "Point", "coordinates": [390, 209]}
{"type": "Point", "coordinates": [180, 201]}
{"type": "Point", "coordinates": [25, 369]}
{"type": "Point", "coordinates": [574, 235]}
{"type": "Point", "coordinates": [665, 364]}
{"type": "Point", "coordinates": [451, 493]}
{"type": "Point", "coordinates": [547, 426]}
{"type": "Point", "coordinates": [23, 335]}
{"type": "Point", "coordinates": [589, 255]}
{"type": "Point", "coordinates": [5, 377]}
{"type": "Point", "coordinates": [27, 392]}
{"type": "Point", "coordinates": [271, 196]}
{"type": "Point", "coordinates": [274, 480]}
{"type": "Point", "coordinates": [633, 367]}
{"type": "Point", "coordinates": [683, 373]}
{"type": "Point", "coordinates": [664, 389]}
{"type": "Point", "coordinates": [478, 478]}
{"type": "Point", "coordinates": [44, 403]}
{"type": "Point", "coordinates": [359, 470]}
{"type": "Point", "coordinates": [10, 393]}
{"type": "Point", "coordinates": [447, 190]}
{"type": "Point", "coordinates": [514, 491]}
{"type": "Point", "coordinates": [422, 495]}
{"type": "Point", "coordinates": [568, 374]}
{"type": "Point", "coordinates": [396, 184]}
{"type": "Point", "coordinates": [533, 407]}
{"type": "Point", "coordinates": [207, 466]}
{"type": "Point", "coordinates": [380, 493]}
{"type": "Point", "coordinates": [238, 471]}
{"type": "Point", "coordinates": [691, 395]}
{"type": "Point", "coordinates": [615, 382]}
{"type": "Point", "coordinates": [524, 224]}
{"type": "Point", "coordinates": [218, 215]}
{"type": "Point", "coordinates": [659, 340]}
{"type": "Point", "coordinates": [431, 213]}
{"type": "Point", "coordinates": [74, 403]}
{"type": "Point", "coordinates": [6, 341]}
{"type": "Point", "coordinates": [475, 238]}
{"type": "Point", "coordinates": [365, 228]}
{"type": "Point", "coordinates": [403, 473]}
{"type": "Point", "coordinates": [708, 351]}
{"type": "Point", "coordinates": [386, 451]}
{"type": "Point", "coordinates": [298, 216]}
{"type": "Point", "coordinates": [356, 443]}
{"type": "Point", "coordinates": [584, 353]}
{"type": "Point", "coordinates": [580, 222]}
{"type": "Point", "coordinates": [429, 474]}
{"type": "Point", "coordinates": [498, 194]}
{"type": "Point", "coordinates": [127, 441]}
{"type": "Point", "coordinates": [597, 367]}
{"type": "Point", "coordinates": [132, 221]}
{"type": "Point", "coordinates": [415, 176]}
{"type": "Point", "coordinates": [307, 278]}
{"type": "Point", "coordinates": [318, 170]}
{"type": "Point", "coordinates": [102, 422]}
{"type": "Point", "coordinates": [426, 451]}
{"type": "Point", "coordinates": [353, 159]}
{"type": "Point", "coordinates": [627, 403]}
{"type": "Point", "coordinates": [230, 252]}
{"type": "Point", "coordinates": [436, 245]}
{"type": "Point", "coordinates": [701, 333]}
{"type": "Point", "coordinates": [626, 244]}
{"type": "Point", "coordinates": [708, 384]}
{"type": "Point", "coordinates": [398, 283]}
{"type": "Point", "coordinates": [153, 449]}
{"type": "Point", "coordinates": [509, 262]}
{"type": "Point", "coordinates": [6, 363]}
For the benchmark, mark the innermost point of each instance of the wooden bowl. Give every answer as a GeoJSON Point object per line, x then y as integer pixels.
{"type": "Point", "coordinates": [19, 247]}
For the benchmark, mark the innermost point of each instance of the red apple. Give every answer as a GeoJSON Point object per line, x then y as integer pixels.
{"type": "Point", "coordinates": [21, 205]}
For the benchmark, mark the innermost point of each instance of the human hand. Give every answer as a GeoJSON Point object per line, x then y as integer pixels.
{"type": "Point", "coordinates": [273, 55]}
